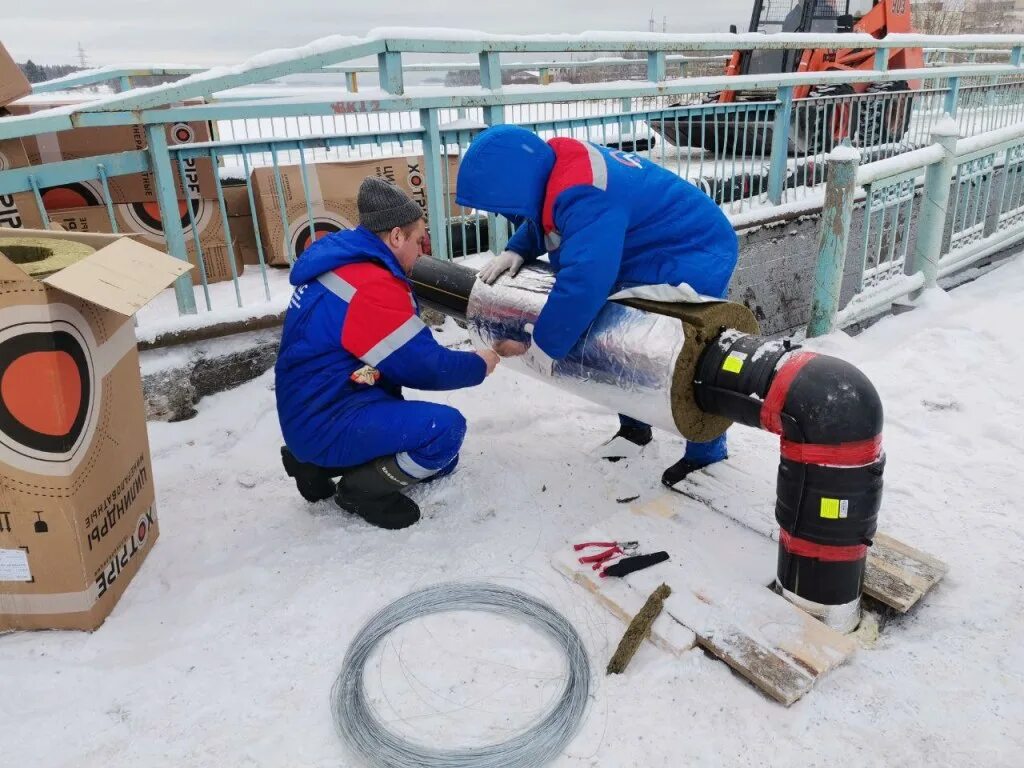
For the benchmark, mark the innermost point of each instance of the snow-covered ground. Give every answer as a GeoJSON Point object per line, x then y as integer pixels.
{"type": "Point", "coordinates": [223, 650]}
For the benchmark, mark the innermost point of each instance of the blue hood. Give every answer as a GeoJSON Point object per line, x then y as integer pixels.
{"type": "Point", "coordinates": [505, 170]}
{"type": "Point", "coordinates": [339, 248]}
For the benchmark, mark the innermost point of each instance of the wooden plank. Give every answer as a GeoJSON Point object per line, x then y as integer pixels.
{"type": "Point", "coordinates": [718, 571]}
{"type": "Point", "coordinates": [899, 575]}
{"type": "Point", "coordinates": [896, 574]}
{"type": "Point", "coordinates": [621, 599]}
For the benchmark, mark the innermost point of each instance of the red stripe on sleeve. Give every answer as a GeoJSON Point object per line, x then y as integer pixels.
{"type": "Point", "coordinates": [381, 304]}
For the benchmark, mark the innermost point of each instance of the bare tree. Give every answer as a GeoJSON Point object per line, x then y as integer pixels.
{"type": "Point", "coordinates": [938, 17]}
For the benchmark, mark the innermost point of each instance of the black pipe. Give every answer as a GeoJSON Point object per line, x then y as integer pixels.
{"type": "Point", "coordinates": [443, 286]}
{"type": "Point", "coordinates": [829, 419]}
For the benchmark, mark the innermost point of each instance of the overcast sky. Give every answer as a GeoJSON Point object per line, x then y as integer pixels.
{"type": "Point", "coordinates": [227, 31]}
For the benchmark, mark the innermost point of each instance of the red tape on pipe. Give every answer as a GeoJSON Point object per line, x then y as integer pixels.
{"type": "Point", "coordinates": [825, 552]}
{"type": "Point", "coordinates": [857, 454]}
{"type": "Point", "coordinates": [771, 411]}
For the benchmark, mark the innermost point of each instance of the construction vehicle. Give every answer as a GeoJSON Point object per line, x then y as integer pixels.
{"type": "Point", "coordinates": [816, 129]}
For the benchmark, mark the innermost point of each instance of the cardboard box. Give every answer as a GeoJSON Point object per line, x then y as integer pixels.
{"type": "Point", "coordinates": [333, 188]}
{"type": "Point", "coordinates": [77, 516]}
{"type": "Point", "coordinates": [13, 83]}
{"type": "Point", "coordinates": [19, 211]}
{"type": "Point", "coordinates": [88, 142]}
{"type": "Point", "coordinates": [243, 232]}
{"type": "Point", "coordinates": [244, 235]}
{"type": "Point", "coordinates": [143, 221]}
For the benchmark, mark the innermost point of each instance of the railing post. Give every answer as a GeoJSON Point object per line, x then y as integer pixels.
{"type": "Point", "coordinates": [1015, 55]}
{"type": "Point", "coordinates": [656, 66]}
{"type": "Point", "coordinates": [490, 78]}
{"type": "Point", "coordinates": [780, 145]}
{"type": "Point", "coordinates": [840, 193]}
{"type": "Point", "coordinates": [545, 76]}
{"type": "Point", "coordinates": [124, 83]}
{"type": "Point", "coordinates": [352, 81]}
{"type": "Point", "coordinates": [931, 222]}
{"type": "Point", "coordinates": [953, 96]}
{"type": "Point", "coordinates": [436, 191]}
{"type": "Point", "coordinates": [170, 219]}
{"type": "Point", "coordinates": [882, 59]}
{"type": "Point", "coordinates": [389, 64]}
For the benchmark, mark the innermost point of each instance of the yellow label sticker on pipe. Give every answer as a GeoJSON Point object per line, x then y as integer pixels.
{"type": "Point", "coordinates": [734, 362]}
{"type": "Point", "coordinates": [834, 509]}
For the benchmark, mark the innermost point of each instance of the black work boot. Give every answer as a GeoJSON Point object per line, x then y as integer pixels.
{"type": "Point", "coordinates": [626, 441]}
{"type": "Point", "coordinates": [315, 483]}
{"type": "Point", "coordinates": [374, 492]}
{"type": "Point", "coordinates": [679, 471]}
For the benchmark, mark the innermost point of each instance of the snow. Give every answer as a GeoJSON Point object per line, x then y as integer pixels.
{"type": "Point", "coordinates": [160, 316]}
{"type": "Point", "coordinates": [990, 139]}
{"type": "Point", "coordinates": [898, 164]}
{"type": "Point", "coordinates": [223, 650]}
{"type": "Point", "coordinates": [463, 124]}
{"type": "Point", "coordinates": [845, 153]}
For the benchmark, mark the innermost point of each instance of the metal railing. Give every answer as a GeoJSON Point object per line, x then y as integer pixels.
{"type": "Point", "coordinates": [923, 216]}
{"type": "Point", "coordinates": [746, 155]}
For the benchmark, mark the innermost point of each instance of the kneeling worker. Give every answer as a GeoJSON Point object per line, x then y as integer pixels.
{"type": "Point", "coordinates": [351, 341]}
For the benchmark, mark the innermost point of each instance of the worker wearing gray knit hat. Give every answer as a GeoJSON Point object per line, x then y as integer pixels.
{"type": "Point", "coordinates": [383, 206]}
{"type": "Point", "coordinates": [351, 341]}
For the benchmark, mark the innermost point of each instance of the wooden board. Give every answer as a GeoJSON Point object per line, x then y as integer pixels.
{"type": "Point", "coordinates": [899, 575]}
{"type": "Point", "coordinates": [718, 571]}
{"type": "Point", "coordinates": [896, 574]}
{"type": "Point", "coordinates": [623, 601]}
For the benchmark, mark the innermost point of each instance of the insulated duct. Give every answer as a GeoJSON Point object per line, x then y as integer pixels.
{"type": "Point", "coordinates": [695, 369]}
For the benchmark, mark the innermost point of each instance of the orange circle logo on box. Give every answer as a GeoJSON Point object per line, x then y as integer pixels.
{"type": "Point", "coordinates": [42, 392]}
{"type": "Point", "coordinates": [75, 195]}
{"type": "Point", "coordinates": [51, 384]}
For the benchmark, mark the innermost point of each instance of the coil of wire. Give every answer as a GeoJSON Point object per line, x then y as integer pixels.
{"type": "Point", "coordinates": [537, 745]}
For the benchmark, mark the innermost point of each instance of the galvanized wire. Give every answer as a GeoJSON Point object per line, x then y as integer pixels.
{"type": "Point", "coordinates": [536, 746]}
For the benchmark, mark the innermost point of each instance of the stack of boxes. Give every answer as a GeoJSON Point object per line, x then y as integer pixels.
{"type": "Point", "coordinates": [333, 190]}
{"type": "Point", "coordinates": [80, 207]}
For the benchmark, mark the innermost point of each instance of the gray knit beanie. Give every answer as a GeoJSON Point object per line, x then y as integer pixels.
{"type": "Point", "coordinates": [383, 206]}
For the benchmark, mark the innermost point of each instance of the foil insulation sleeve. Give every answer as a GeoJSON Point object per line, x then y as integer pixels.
{"type": "Point", "coordinates": [624, 362]}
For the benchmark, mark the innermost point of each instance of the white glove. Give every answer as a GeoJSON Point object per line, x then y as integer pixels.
{"type": "Point", "coordinates": [506, 261]}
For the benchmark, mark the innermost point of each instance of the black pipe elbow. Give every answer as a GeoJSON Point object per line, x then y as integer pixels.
{"type": "Point", "coordinates": [829, 417]}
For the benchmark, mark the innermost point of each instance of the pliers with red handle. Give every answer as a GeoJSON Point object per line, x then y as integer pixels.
{"type": "Point", "coordinates": [613, 550]}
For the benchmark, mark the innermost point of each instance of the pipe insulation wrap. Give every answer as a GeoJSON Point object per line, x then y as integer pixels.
{"type": "Point", "coordinates": [625, 361]}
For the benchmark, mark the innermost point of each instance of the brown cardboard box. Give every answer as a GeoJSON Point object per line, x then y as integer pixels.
{"type": "Point", "coordinates": [87, 142]}
{"type": "Point", "coordinates": [333, 189]}
{"type": "Point", "coordinates": [13, 84]}
{"type": "Point", "coordinates": [143, 221]}
{"type": "Point", "coordinates": [236, 202]}
{"type": "Point", "coordinates": [244, 234]}
{"type": "Point", "coordinates": [19, 211]}
{"type": "Point", "coordinates": [77, 514]}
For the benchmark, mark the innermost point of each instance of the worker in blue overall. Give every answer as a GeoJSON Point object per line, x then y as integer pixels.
{"type": "Point", "coordinates": [608, 220]}
{"type": "Point", "coordinates": [352, 339]}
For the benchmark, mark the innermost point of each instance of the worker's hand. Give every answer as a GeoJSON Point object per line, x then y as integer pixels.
{"type": "Point", "coordinates": [510, 348]}
{"type": "Point", "coordinates": [490, 359]}
{"type": "Point", "coordinates": [507, 261]}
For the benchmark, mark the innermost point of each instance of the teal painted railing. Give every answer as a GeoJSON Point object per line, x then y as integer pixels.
{"type": "Point", "coordinates": [925, 215]}
{"type": "Point", "coordinates": [778, 158]}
